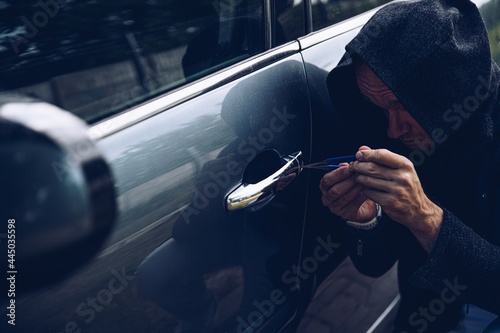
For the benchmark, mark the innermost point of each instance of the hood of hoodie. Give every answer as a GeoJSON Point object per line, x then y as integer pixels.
{"type": "Point", "coordinates": [433, 54]}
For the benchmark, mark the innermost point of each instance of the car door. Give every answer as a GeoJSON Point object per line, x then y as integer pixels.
{"type": "Point", "coordinates": [201, 110]}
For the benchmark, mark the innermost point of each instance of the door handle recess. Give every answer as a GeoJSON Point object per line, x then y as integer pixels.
{"type": "Point", "coordinates": [256, 195]}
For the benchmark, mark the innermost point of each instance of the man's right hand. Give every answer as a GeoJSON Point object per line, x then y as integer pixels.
{"type": "Point", "coordinates": [344, 197]}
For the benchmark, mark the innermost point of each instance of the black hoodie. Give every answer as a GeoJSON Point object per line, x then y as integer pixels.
{"type": "Point", "coordinates": [434, 55]}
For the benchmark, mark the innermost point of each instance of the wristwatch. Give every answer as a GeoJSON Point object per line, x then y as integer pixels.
{"type": "Point", "coordinates": [370, 224]}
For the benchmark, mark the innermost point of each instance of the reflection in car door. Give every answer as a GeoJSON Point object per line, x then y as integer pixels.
{"type": "Point", "coordinates": [219, 265]}
{"type": "Point", "coordinates": [199, 267]}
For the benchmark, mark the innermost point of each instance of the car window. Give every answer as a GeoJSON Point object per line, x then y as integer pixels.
{"type": "Point", "coordinates": [328, 12]}
{"type": "Point", "coordinates": [98, 57]}
{"type": "Point", "coordinates": [289, 21]}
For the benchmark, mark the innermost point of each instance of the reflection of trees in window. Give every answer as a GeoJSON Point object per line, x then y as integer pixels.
{"type": "Point", "coordinates": [289, 22]}
{"type": "Point", "coordinates": [328, 12]}
{"type": "Point", "coordinates": [99, 57]}
{"type": "Point", "coordinates": [84, 34]}
{"type": "Point", "coordinates": [491, 16]}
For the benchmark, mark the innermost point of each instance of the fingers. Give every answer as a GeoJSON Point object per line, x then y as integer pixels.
{"type": "Point", "coordinates": [337, 184]}
{"type": "Point", "coordinates": [376, 183]}
{"type": "Point", "coordinates": [381, 157]}
{"type": "Point", "coordinates": [375, 175]}
{"type": "Point", "coordinates": [378, 168]}
{"type": "Point", "coordinates": [384, 199]}
{"type": "Point", "coordinates": [334, 177]}
{"type": "Point", "coordinates": [347, 207]}
{"type": "Point", "coordinates": [342, 195]}
{"type": "Point", "coordinates": [373, 170]}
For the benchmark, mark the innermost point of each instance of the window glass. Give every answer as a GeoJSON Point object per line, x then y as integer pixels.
{"type": "Point", "coordinates": [490, 11]}
{"type": "Point", "coordinates": [98, 57]}
{"type": "Point", "coordinates": [289, 21]}
{"type": "Point", "coordinates": [328, 12]}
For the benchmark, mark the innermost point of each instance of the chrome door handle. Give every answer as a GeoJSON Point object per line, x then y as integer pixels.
{"type": "Point", "coordinates": [254, 195]}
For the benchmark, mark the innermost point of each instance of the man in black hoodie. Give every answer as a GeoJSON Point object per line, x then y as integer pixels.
{"type": "Point", "coordinates": [429, 197]}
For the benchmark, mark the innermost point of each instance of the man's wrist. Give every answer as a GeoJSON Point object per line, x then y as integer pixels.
{"type": "Point", "coordinates": [369, 224]}
{"type": "Point", "coordinates": [428, 235]}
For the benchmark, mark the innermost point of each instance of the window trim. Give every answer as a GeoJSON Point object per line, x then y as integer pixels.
{"type": "Point", "coordinates": [268, 25]}
{"type": "Point", "coordinates": [319, 36]}
{"type": "Point", "coordinates": [309, 16]}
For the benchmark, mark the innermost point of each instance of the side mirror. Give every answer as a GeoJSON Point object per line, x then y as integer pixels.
{"type": "Point", "coordinates": [57, 199]}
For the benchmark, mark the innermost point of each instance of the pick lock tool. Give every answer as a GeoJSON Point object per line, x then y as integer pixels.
{"type": "Point", "coordinates": [329, 164]}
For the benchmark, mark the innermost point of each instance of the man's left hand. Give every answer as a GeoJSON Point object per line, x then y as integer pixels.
{"type": "Point", "coordinates": [392, 182]}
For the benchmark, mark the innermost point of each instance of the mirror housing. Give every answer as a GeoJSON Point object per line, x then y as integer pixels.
{"type": "Point", "coordinates": [57, 199]}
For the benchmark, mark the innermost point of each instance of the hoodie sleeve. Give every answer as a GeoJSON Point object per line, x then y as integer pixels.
{"type": "Point", "coordinates": [374, 252]}
{"type": "Point", "coordinates": [463, 262]}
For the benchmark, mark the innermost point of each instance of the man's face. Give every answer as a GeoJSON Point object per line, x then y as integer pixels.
{"type": "Point", "coordinates": [402, 125]}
